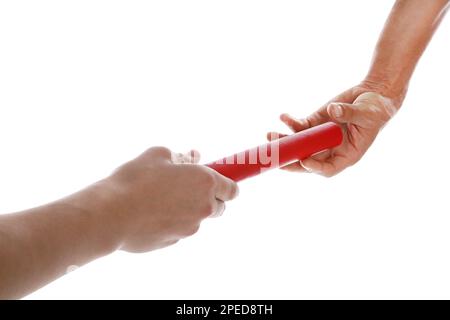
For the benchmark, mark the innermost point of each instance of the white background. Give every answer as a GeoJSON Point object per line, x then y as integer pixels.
{"type": "Point", "coordinates": [87, 85]}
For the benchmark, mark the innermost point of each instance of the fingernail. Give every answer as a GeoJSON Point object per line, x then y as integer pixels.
{"type": "Point", "coordinates": [336, 110]}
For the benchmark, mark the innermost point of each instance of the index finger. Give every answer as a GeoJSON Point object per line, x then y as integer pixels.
{"type": "Point", "coordinates": [226, 189]}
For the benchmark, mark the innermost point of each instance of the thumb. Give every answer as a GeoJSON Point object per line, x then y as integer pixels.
{"type": "Point", "coordinates": [344, 112]}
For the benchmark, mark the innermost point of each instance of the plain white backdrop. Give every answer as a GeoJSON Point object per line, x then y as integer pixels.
{"type": "Point", "coordinates": [87, 85]}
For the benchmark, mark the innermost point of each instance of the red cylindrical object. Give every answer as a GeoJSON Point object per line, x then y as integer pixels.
{"type": "Point", "coordinates": [277, 153]}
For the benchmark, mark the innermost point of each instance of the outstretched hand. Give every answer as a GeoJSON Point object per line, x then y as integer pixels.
{"type": "Point", "coordinates": [361, 114]}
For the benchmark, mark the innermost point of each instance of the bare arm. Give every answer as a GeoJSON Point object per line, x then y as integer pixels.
{"type": "Point", "coordinates": [39, 245]}
{"type": "Point", "coordinates": [363, 110]}
{"type": "Point", "coordinates": [408, 30]}
{"type": "Point", "coordinates": [148, 203]}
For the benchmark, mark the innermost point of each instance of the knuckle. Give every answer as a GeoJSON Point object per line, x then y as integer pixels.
{"type": "Point", "coordinates": [208, 209]}
{"type": "Point", "coordinates": [209, 180]}
{"type": "Point", "coordinates": [192, 231]}
{"type": "Point", "coordinates": [159, 150]}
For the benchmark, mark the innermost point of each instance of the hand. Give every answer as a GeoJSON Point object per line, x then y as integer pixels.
{"type": "Point", "coordinates": [162, 197]}
{"type": "Point", "coordinates": [361, 112]}
{"type": "Point", "coordinates": [148, 203]}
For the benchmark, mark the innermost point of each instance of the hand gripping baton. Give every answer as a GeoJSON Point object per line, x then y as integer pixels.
{"type": "Point", "coordinates": [278, 153]}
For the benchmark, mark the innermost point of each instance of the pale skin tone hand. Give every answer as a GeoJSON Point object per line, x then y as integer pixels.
{"type": "Point", "coordinates": [360, 121]}
{"type": "Point", "coordinates": [364, 110]}
{"type": "Point", "coordinates": [153, 202]}
{"type": "Point", "coordinates": [148, 203]}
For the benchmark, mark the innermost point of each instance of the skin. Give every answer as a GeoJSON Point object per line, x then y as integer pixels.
{"type": "Point", "coordinates": [148, 203]}
{"type": "Point", "coordinates": [363, 110]}
{"type": "Point", "coordinates": [159, 198]}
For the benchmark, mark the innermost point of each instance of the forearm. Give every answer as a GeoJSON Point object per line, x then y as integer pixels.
{"type": "Point", "coordinates": [406, 34]}
{"type": "Point", "coordinates": [38, 245]}
{"type": "Point", "coordinates": [148, 203]}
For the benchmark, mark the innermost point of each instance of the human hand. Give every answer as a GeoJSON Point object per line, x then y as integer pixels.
{"type": "Point", "coordinates": [361, 113]}
{"type": "Point", "coordinates": [161, 197]}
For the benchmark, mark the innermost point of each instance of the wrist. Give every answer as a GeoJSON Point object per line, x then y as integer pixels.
{"type": "Point", "coordinates": [383, 85]}
{"type": "Point", "coordinates": [96, 207]}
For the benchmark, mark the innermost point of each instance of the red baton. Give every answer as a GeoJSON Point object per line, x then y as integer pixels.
{"type": "Point", "coordinates": [277, 153]}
